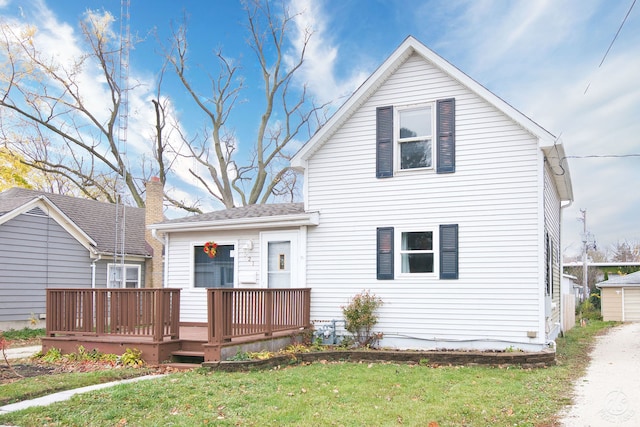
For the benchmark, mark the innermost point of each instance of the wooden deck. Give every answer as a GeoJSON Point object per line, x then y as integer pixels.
{"type": "Point", "coordinates": [112, 320]}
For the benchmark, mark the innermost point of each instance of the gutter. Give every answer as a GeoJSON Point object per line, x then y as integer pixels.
{"type": "Point", "coordinates": [312, 218]}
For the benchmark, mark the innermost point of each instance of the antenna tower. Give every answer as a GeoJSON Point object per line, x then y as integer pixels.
{"type": "Point", "coordinates": [123, 122]}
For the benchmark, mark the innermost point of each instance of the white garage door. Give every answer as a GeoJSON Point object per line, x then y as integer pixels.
{"type": "Point", "coordinates": [631, 305]}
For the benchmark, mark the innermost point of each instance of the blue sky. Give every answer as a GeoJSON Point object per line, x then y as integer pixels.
{"type": "Point", "coordinates": [541, 56]}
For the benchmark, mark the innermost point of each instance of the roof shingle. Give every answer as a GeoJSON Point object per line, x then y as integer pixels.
{"type": "Point", "coordinates": [96, 219]}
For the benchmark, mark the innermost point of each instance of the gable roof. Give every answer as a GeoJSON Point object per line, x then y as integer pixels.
{"type": "Point", "coordinates": [551, 146]}
{"type": "Point", "coordinates": [617, 281]}
{"type": "Point", "coordinates": [251, 216]}
{"type": "Point", "coordinates": [91, 222]}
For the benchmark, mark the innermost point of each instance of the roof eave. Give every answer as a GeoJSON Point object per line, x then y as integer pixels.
{"type": "Point", "coordinates": [359, 96]}
{"type": "Point", "coordinates": [555, 156]}
{"type": "Point", "coordinates": [298, 220]}
{"type": "Point", "coordinates": [406, 49]}
{"type": "Point", "coordinates": [58, 216]}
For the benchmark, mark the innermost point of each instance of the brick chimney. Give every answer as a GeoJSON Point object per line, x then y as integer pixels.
{"type": "Point", "coordinates": [154, 214]}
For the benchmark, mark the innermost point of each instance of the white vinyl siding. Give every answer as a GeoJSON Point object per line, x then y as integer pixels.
{"type": "Point", "coordinates": [552, 227]}
{"type": "Point", "coordinates": [494, 197]}
{"type": "Point", "coordinates": [179, 267]}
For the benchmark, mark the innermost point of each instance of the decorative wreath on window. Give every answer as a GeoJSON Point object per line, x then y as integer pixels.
{"type": "Point", "coordinates": [211, 248]}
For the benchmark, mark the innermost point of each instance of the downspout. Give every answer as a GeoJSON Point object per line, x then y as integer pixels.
{"type": "Point", "coordinates": [562, 307]}
{"type": "Point", "coordinates": [93, 271]}
{"type": "Point", "coordinates": [165, 243]}
{"type": "Point", "coordinates": [154, 234]}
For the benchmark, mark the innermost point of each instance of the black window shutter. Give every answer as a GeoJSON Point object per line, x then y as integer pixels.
{"type": "Point", "coordinates": [385, 253]}
{"type": "Point", "coordinates": [449, 251]}
{"type": "Point", "coordinates": [446, 135]}
{"type": "Point", "coordinates": [384, 142]}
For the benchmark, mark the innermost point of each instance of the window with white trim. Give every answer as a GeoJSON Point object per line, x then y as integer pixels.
{"type": "Point", "coordinates": [416, 252]}
{"type": "Point", "coordinates": [427, 251]}
{"type": "Point", "coordinates": [216, 272]}
{"type": "Point", "coordinates": [415, 137]}
{"type": "Point", "coordinates": [131, 276]}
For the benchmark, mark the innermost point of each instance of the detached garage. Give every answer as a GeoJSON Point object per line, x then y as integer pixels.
{"type": "Point", "coordinates": [621, 298]}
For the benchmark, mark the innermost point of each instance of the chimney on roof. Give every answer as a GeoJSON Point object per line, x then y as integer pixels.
{"type": "Point", "coordinates": [154, 213]}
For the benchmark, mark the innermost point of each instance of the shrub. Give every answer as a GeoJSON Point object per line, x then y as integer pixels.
{"type": "Point", "coordinates": [132, 357]}
{"type": "Point", "coordinates": [360, 318]}
{"type": "Point", "coordinates": [587, 311]}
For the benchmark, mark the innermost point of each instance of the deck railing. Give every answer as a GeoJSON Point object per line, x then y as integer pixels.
{"type": "Point", "coordinates": [235, 313]}
{"type": "Point", "coordinates": [150, 312]}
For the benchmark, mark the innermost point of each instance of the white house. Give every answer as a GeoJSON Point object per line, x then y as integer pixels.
{"type": "Point", "coordinates": [424, 188]}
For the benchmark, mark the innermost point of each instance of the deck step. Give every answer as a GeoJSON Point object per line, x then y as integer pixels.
{"type": "Point", "coordinates": [182, 366]}
{"type": "Point", "coordinates": [188, 353]}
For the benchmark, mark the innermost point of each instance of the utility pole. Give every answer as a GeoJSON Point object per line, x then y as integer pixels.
{"type": "Point", "coordinates": [588, 242]}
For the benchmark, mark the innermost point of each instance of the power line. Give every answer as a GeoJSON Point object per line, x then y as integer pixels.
{"type": "Point", "coordinates": [618, 32]}
{"type": "Point", "coordinates": [598, 156]}
{"type": "Point", "coordinates": [613, 41]}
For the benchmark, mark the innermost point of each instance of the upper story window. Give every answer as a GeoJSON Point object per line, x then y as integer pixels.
{"type": "Point", "coordinates": [415, 137]}
{"type": "Point", "coordinates": [131, 277]}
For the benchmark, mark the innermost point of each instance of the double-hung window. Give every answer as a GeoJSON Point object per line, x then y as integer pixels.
{"type": "Point", "coordinates": [424, 252]}
{"type": "Point", "coordinates": [415, 137]}
{"type": "Point", "coordinates": [131, 277]}
{"type": "Point", "coordinates": [416, 252]}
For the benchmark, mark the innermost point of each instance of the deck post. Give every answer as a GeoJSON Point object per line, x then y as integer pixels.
{"type": "Point", "coordinates": [100, 311]}
{"type": "Point", "coordinates": [269, 309]}
{"type": "Point", "coordinates": [87, 312]}
{"type": "Point", "coordinates": [49, 313]}
{"type": "Point", "coordinates": [216, 327]}
{"type": "Point", "coordinates": [158, 323]}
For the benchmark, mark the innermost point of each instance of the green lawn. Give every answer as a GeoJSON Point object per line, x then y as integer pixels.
{"type": "Point", "coordinates": [30, 388]}
{"type": "Point", "coordinates": [330, 394]}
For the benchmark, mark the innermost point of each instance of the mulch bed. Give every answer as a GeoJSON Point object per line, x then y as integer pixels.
{"type": "Point", "coordinates": [25, 369]}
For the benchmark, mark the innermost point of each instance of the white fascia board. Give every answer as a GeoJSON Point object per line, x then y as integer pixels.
{"type": "Point", "coordinates": [58, 216]}
{"type": "Point", "coordinates": [108, 256]}
{"type": "Point", "coordinates": [559, 166]}
{"type": "Point", "coordinates": [262, 223]}
{"type": "Point", "coordinates": [346, 110]}
{"type": "Point", "coordinates": [406, 49]}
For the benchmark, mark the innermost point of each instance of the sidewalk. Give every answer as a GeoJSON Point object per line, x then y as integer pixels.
{"type": "Point", "coordinates": [26, 352]}
{"type": "Point", "coordinates": [64, 395]}
{"type": "Point", "coordinates": [609, 393]}
{"type": "Point", "coordinates": [21, 352]}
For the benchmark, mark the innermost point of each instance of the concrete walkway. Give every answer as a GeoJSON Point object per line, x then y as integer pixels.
{"type": "Point", "coordinates": [609, 393]}
{"type": "Point", "coordinates": [65, 395]}
{"type": "Point", "coordinates": [21, 352]}
{"type": "Point", "coordinates": [26, 352]}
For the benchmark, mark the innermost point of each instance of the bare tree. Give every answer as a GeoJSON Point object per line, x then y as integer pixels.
{"type": "Point", "coordinates": [266, 174]}
{"type": "Point", "coordinates": [50, 114]}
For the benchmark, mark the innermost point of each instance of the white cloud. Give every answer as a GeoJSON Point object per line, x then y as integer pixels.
{"type": "Point", "coordinates": [319, 71]}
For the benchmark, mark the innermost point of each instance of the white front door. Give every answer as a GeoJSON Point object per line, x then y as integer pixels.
{"type": "Point", "coordinates": [279, 259]}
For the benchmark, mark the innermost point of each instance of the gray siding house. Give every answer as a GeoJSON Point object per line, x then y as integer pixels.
{"type": "Point", "coordinates": [55, 241]}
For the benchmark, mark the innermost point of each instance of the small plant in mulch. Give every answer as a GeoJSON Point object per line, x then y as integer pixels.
{"type": "Point", "coordinates": [360, 319]}
{"type": "Point", "coordinates": [87, 360]}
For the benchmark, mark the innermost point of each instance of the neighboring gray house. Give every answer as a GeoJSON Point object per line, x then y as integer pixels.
{"type": "Point", "coordinates": [54, 241]}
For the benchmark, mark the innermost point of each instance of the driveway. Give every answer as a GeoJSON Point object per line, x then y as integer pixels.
{"type": "Point", "coordinates": [609, 393]}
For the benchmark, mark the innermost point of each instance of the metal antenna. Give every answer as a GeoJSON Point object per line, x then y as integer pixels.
{"type": "Point", "coordinates": [123, 122]}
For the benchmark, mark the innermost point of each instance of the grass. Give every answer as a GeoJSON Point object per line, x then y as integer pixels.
{"type": "Point", "coordinates": [335, 394]}
{"type": "Point", "coordinates": [30, 388]}
{"type": "Point", "coordinates": [25, 334]}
